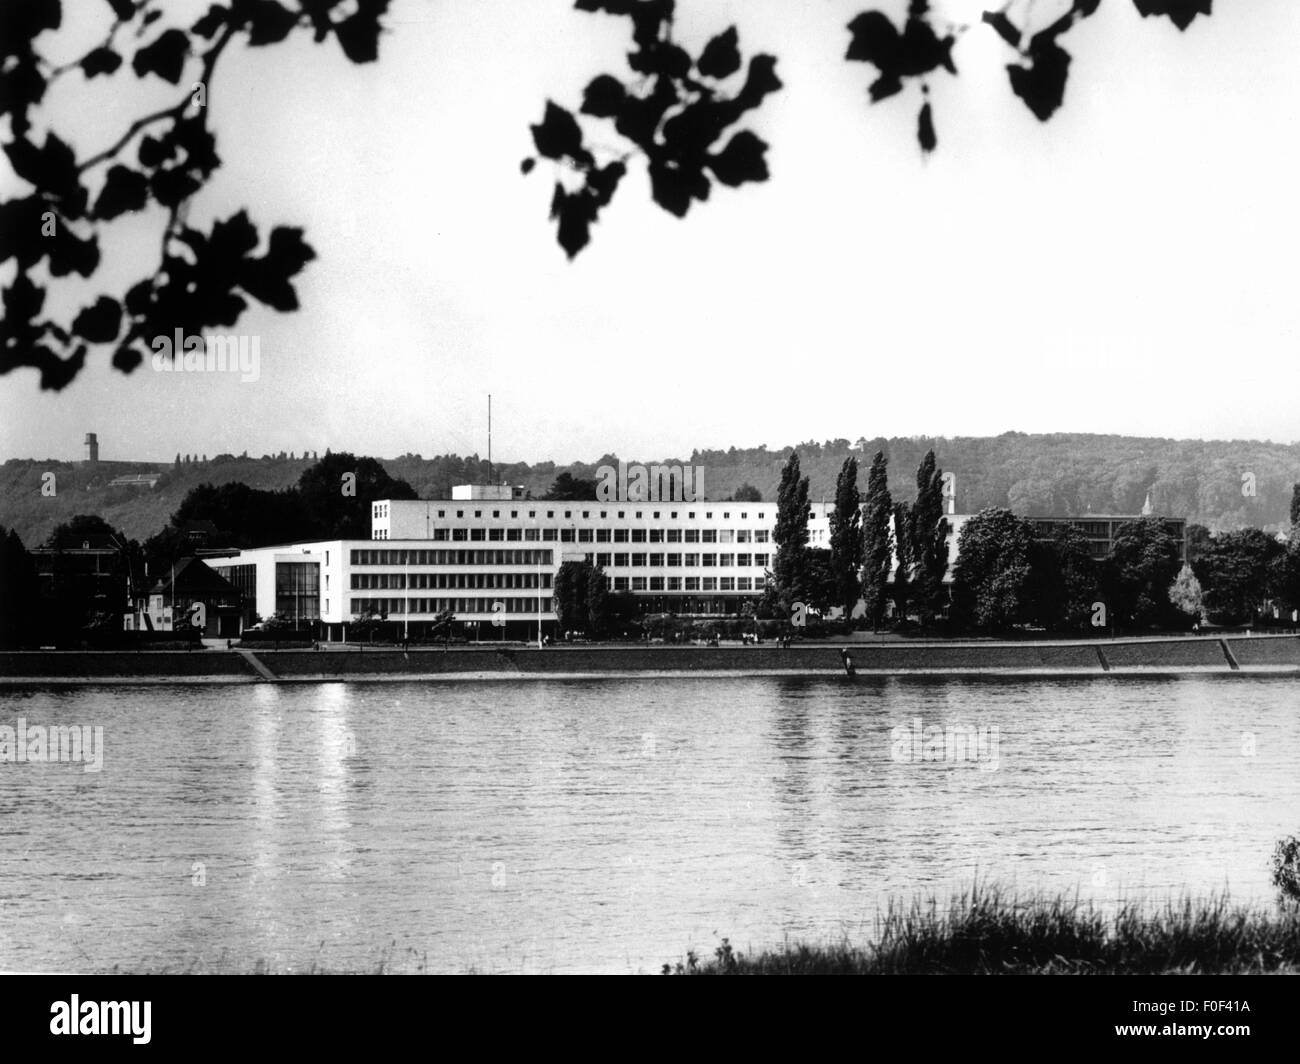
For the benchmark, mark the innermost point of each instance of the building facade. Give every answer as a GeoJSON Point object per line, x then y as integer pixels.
{"type": "Point", "coordinates": [490, 558]}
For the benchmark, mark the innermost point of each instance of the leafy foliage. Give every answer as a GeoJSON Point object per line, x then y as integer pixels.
{"type": "Point", "coordinates": [992, 579]}
{"type": "Point", "coordinates": [202, 280]}
{"type": "Point", "coordinates": [679, 112]}
{"type": "Point", "coordinates": [877, 541]}
{"type": "Point", "coordinates": [846, 538]}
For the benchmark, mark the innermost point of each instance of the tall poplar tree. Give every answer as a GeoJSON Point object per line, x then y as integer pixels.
{"type": "Point", "coordinates": [929, 535]}
{"type": "Point", "coordinates": [877, 540]}
{"type": "Point", "coordinates": [790, 566]}
{"type": "Point", "coordinates": [846, 537]}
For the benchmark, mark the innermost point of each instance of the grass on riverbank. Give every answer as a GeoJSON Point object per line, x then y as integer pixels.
{"type": "Point", "coordinates": [987, 931]}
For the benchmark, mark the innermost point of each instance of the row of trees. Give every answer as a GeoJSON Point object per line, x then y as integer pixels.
{"type": "Point", "coordinates": [870, 536]}
{"type": "Point", "coordinates": [1008, 576]}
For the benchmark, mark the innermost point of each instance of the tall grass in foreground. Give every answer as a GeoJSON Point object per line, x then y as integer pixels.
{"type": "Point", "coordinates": [988, 931]}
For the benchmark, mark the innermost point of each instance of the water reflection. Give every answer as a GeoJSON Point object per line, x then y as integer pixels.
{"type": "Point", "coordinates": [612, 824]}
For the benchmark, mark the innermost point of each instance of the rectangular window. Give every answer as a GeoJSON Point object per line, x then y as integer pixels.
{"type": "Point", "coordinates": [692, 583]}
{"type": "Point", "coordinates": [742, 561]}
{"type": "Point", "coordinates": [674, 583]}
{"type": "Point", "coordinates": [638, 561]}
{"type": "Point", "coordinates": [620, 535]}
{"type": "Point", "coordinates": [656, 583]}
{"type": "Point", "coordinates": [727, 583]}
{"type": "Point", "coordinates": [673, 559]}
{"type": "Point", "coordinates": [550, 534]}
{"type": "Point", "coordinates": [638, 583]}
{"type": "Point", "coordinates": [620, 561]}
{"type": "Point", "coordinates": [476, 535]}
{"type": "Point", "coordinates": [710, 535]}
{"type": "Point", "coordinates": [726, 535]}
{"type": "Point", "coordinates": [638, 535]}
{"type": "Point", "coordinates": [460, 535]}
{"type": "Point", "coordinates": [440, 535]}
{"type": "Point", "coordinates": [761, 560]}
{"type": "Point", "coordinates": [692, 535]}
{"type": "Point", "coordinates": [514, 535]}
{"type": "Point", "coordinates": [602, 535]}
{"type": "Point", "coordinates": [708, 559]}
{"type": "Point", "coordinates": [742, 535]}
{"type": "Point", "coordinates": [726, 560]}
{"type": "Point", "coordinates": [604, 560]}
{"type": "Point", "coordinates": [566, 535]}
{"type": "Point", "coordinates": [674, 535]}
{"type": "Point", "coordinates": [709, 583]}
{"type": "Point", "coordinates": [743, 583]}
{"type": "Point", "coordinates": [690, 560]}
{"type": "Point", "coordinates": [656, 561]}
{"type": "Point", "coordinates": [532, 535]}
{"type": "Point", "coordinates": [584, 535]}
{"type": "Point", "coordinates": [496, 535]}
{"type": "Point", "coordinates": [760, 536]}
{"type": "Point", "coordinates": [656, 534]}
{"type": "Point", "coordinates": [620, 583]}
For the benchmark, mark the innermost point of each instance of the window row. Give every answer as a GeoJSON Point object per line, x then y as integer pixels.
{"type": "Point", "coordinates": [596, 535]}
{"type": "Point", "coordinates": [388, 607]}
{"type": "Point", "coordinates": [452, 557]}
{"type": "Point", "coordinates": [687, 583]}
{"type": "Point", "coordinates": [422, 581]}
{"type": "Point", "coordinates": [689, 561]}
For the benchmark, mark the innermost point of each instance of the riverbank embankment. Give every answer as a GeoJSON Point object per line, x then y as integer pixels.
{"type": "Point", "coordinates": [1236, 655]}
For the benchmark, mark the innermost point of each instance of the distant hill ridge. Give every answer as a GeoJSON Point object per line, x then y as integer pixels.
{"type": "Point", "coordinates": [1222, 484]}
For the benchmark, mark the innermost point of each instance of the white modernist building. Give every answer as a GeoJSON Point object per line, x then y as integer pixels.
{"type": "Point", "coordinates": [486, 554]}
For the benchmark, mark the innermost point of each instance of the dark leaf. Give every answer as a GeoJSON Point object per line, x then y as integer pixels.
{"type": "Point", "coordinates": [874, 40]}
{"type": "Point", "coordinates": [124, 190]}
{"type": "Point", "coordinates": [741, 160]}
{"type": "Point", "coordinates": [925, 129]}
{"type": "Point", "coordinates": [1042, 85]}
{"type": "Point", "coordinates": [673, 187]}
{"type": "Point", "coordinates": [212, 21]}
{"type": "Point", "coordinates": [721, 56]}
{"type": "Point", "coordinates": [138, 298]}
{"type": "Point", "coordinates": [760, 81]}
{"type": "Point", "coordinates": [153, 152]}
{"type": "Point", "coordinates": [100, 61]}
{"type": "Point", "coordinates": [124, 10]}
{"type": "Point", "coordinates": [52, 169]}
{"type": "Point", "coordinates": [70, 254]}
{"type": "Point", "coordinates": [604, 181]}
{"type": "Point", "coordinates": [99, 323]}
{"type": "Point", "coordinates": [558, 135]}
{"type": "Point", "coordinates": [127, 359]}
{"type": "Point", "coordinates": [358, 34]}
{"type": "Point", "coordinates": [1180, 12]}
{"type": "Point", "coordinates": [526, 166]}
{"type": "Point", "coordinates": [574, 214]}
{"type": "Point", "coordinates": [21, 238]}
{"type": "Point", "coordinates": [23, 300]}
{"type": "Point", "coordinates": [164, 57]}
{"type": "Point", "coordinates": [603, 97]}
{"type": "Point", "coordinates": [173, 186]}
{"type": "Point", "coordinates": [269, 22]}
{"type": "Point", "coordinates": [22, 20]}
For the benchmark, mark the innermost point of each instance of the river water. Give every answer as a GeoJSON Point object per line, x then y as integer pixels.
{"type": "Point", "coordinates": [610, 825]}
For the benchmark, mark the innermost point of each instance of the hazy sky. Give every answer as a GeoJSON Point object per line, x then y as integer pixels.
{"type": "Point", "coordinates": [1129, 266]}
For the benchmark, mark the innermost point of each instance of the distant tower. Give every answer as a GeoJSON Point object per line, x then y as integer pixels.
{"type": "Point", "coordinates": [92, 447]}
{"type": "Point", "coordinates": [1147, 508]}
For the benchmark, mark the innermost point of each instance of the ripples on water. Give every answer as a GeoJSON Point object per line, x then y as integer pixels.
{"type": "Point", "coordinates": [610, 825]}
